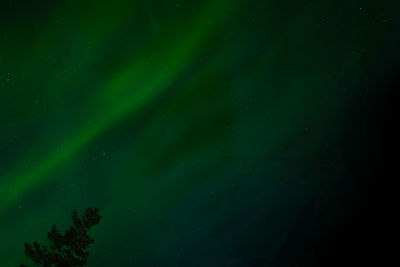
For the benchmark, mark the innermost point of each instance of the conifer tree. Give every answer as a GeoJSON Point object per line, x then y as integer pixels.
{"type": "Point", "coordinates": [68, 249]}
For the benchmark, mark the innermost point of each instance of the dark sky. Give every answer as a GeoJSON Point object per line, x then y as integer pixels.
{"type": "Point", "coordinates": [208, 133]}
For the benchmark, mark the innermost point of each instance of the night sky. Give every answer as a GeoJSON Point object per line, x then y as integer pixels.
{"type": "Point", "coordinates": [208, 133]}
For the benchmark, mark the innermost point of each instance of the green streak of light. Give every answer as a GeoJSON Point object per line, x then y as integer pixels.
{"type": "Point", "coordinates": [176, 57]}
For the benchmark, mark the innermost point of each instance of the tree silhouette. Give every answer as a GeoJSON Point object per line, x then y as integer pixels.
{"type": "Point", "coordinates": [68, 249]}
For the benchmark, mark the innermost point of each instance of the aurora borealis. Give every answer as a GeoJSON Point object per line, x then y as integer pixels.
{"type": "Point", "coordinates": [204, 131]}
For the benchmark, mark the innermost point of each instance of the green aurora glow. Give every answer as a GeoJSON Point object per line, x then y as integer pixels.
{"type": "Point", "coordinates": [197, 127]}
